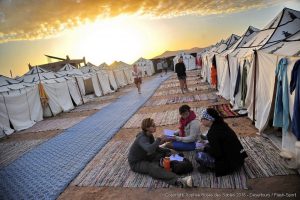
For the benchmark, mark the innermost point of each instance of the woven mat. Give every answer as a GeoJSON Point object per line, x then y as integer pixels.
{"type": "Point", "coordinates": [176, 84]}
{"type": "Point", "coordinates": [182, 99]}
{"type": "Point", "coordinates": [175, 79]}
{"type": "Point", "coordinates": [160, 118]}
{"type": "Point", "coordinates": [90, 106]}
{"type": "Point", "coordinates": [110, 168]}
{"type": "Point", "coordinates": [225, 111]}
{"type": "Point", "coordinates": [54, 124]}
{"type": "Point", "coordinates": [178, 90]}
{"type": "Point", "coordinates": [10, 151]}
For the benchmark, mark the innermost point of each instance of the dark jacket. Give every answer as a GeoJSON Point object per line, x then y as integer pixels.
{"type": "Point", "coordinates": [226, 148]}
{"type": "Point", "coordinates": [145, 148]}
{"type": "Point", "coordinates": [180, 69]}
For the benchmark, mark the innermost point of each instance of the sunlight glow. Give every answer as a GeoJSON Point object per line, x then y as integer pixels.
{"type": "Point", "coordinates": [110, 40]}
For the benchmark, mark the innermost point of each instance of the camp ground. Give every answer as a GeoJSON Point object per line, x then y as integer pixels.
{"type": "Point", "coordinates": [66, 134]}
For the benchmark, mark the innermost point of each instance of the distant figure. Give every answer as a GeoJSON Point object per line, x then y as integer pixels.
{"type": "Point", "coordinates": [165, 66]}
{"type": "Point", "coordinates": [224, 152]}
{"type": "Point", "coordinates": [137, 77]}
{"type": "Point", "coordinates": [180, 70]}
{"type": "Point", "coordinates": [145, 156]}
{"type": "Point", "coordinates": [188, 133]}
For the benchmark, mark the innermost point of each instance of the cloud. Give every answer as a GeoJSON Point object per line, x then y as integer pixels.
{"type": "Point", "coordinates": [34, 19]}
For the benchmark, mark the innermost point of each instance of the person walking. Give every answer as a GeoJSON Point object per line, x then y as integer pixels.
{"type": "Point", "coordinates": [181, 75]}
{"type": "Point", "coordinates": [137, 77]}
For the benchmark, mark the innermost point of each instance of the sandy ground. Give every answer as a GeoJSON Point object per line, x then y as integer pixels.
{"type": "Point", "coordinates": [280, 187]}
{"type": "Point", "coordinates": [264, 188]}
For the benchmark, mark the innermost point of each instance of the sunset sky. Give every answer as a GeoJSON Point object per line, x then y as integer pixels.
{"type": "Point", "coordinates": [123, 30]}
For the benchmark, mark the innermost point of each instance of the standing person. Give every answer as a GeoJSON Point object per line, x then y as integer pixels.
{"type": "Point", "coordinates": [145, 155]}
{"type": "Point", "coordinates": [165, 66]}
{"type": "Point", "coordinates": [188, 133]}
{"type": "Point", "coordinates": [180, 71]}
{"type": "Point", "coordinates": [224, 153]}
{"type": "Point", "coordinates": [137, 77]}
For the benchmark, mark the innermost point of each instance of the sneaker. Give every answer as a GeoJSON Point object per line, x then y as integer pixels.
{"type": "Point", "coordinates": [185, 182]}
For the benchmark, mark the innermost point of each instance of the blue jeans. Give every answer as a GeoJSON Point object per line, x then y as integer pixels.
{"type": "Point", "coordinates": [183, 146]}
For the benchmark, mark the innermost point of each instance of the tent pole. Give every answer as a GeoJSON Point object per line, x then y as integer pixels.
{"type": "Point", "coordinates": [254, 86]}
{"type": "Point", "coordinates": [79, 89]}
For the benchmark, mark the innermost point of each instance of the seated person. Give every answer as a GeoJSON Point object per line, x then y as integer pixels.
{"type": "Point", "coordinates": [224, 153]}
{"type": "Point", "coordinates": [145, 155]}
{"type": "Point", "coordinates": [188, 133]}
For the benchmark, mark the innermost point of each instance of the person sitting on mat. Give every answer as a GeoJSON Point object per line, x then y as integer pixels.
{"type": "Point", "coordinates": [189, 131]}
{"type": "Point", "coordinates": [224, 153]}
{"type": "Point", "coordinates": [145, 156]}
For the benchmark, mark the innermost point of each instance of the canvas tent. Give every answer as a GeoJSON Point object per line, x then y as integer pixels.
{"type": "Point", "coordinates": [74, 82]}
{"type": "Point", "coordinates": [146, 66]}
{"type": "Point", "coordinates": [122, 73]}
{"type": "Point", "coordinates": [103, 78]}
{"type": "Point", "coordinates": [217, 49]}
{"type": "Point", "coordinates": [287, 21]}
{"type": "Point", "coordinates": [128, 74]}
{"type": "Point", "coordinates": [223, 65]}
{"type": "Point", "coordinates": [55, 87]}
{"type": "Point", "coordinates": [188, 60]}
{"type": "Point", "coordinates": [91, 81]}
{"type": "Point", "coordinates": [20, 106]}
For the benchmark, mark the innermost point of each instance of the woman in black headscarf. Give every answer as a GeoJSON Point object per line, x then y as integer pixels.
{"type": "Point", "coordinates": [224, 153]}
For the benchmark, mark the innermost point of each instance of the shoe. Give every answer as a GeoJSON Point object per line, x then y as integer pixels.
{"type": "Point", "coordinates": [185, 182]}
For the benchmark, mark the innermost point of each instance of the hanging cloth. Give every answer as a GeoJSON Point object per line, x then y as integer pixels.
{"type": "Point", "coordinates": [281, 109]}
{"type": "Point", "coordinates": [237, 83]}
{"type": "Point", "coordinates": [43, 96]}
{"type": "Point", "coordinates": [295, 85]}
{"type": "Point", "coordinates": [244, 82]}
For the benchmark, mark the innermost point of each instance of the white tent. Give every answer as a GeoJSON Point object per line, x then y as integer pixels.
{"type": "Point", "coordinates": [104, 81]}
{"type": "Point", "coordinates": [20, 106]}
{"type": "Point", "coordinates": [145, 65]}
{"type": "Point", "coordinates": [55, 86]}
{"type": "Point", "coordinates": [188, 60]}
{"type": "Point", "coordinates": [119, 73]}
{"type": "Point", "coordinates": [112, 79]}
{"type": "Point", "coordinates": [91, 81]}
{"type": "Point", "coordinates": [120, 77]}
{"type": "Point", "coordinates": [206, 64]}
{"type": "Point", "coordinates": [74, 80]}
{"type": "Point", "coordinates": [287, 21]}
{"type": "Point", "coordinates": [128, 74]}
{"type": "Point", "coordinates": [222, 62]}
{"type": "Point", "coordinates": [217, 49]}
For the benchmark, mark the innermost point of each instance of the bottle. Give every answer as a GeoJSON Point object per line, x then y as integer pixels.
{"type": "Point", "coordinates": [167, 164]}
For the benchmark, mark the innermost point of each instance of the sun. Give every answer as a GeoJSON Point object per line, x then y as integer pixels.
{"type": "Point", "coordinates": [111, 39]}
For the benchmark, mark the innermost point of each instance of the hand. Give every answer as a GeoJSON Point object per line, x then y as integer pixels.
{"type": "Point", "coordinates": [173, 151]}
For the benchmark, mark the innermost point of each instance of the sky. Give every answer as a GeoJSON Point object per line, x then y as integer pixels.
{"type": "Point", "coordinates": [123, 30]}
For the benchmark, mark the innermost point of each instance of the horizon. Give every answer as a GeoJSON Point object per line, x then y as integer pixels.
{"type": "Point", "coordinates": [121, 32]}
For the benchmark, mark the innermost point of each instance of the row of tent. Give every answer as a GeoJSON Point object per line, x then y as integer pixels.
{"type": "Point", "coordinates": [40, 93]}
{"type": "Point", "coordinates": [246, 69]}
